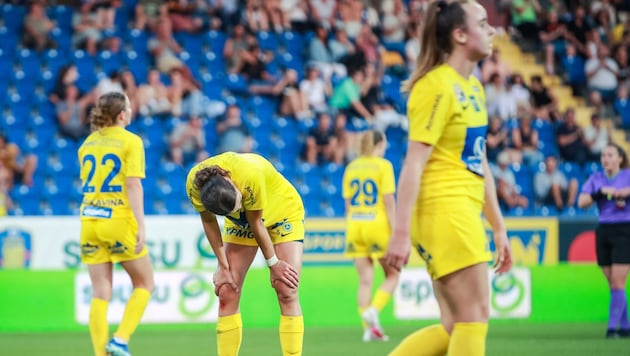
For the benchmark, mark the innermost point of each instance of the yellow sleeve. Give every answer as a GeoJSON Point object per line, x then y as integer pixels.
{"type": "Point", "coordinates": [193, 194]}
{"type": "Point", "coordinates": [429, 109]}
{"type": "Point", "coordinates": [389, 184]}
{"type": "Point", "coordinates": [345, 186]}
{"type": "Point", "coordinates": [135, 158]}
{"type": "Point", "coordinates": [254, 191]}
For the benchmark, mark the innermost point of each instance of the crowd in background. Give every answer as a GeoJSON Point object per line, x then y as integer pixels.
{"type": "Point", "coordinates": [332, 81]}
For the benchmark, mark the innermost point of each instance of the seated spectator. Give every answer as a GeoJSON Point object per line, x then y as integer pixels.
{"type": "Point", "coordinates": [368, 43]}
{"type": "Point", "coordinates": [501, 99]}
{"type": "Point", "coordinates": [542, 98]}
{"type": "Point", "coordinates": [571, 139]}
{"type": "Point", "coordinates": [289, 14]}
{"type": "Point", "coordinates": [553, 188]}
{"type": "Point", "coordinates": [235, 46]}
{"type": "Point", "coordinates": [394, 21]}
{"type": "Point", "coordinates": [322, 145]}
{"type": "Point", "coordinates": [165, 49]}
{"type": "Point", "coordinates": [507, 192]}
{"type": "Point", "coordinates": [153, 97]}
{"type": "Point", "coordinates": [104, 12]}
{"type": "Point", "coordinates": [524, 18]}
{"type": "Point", "coordinates": [71, 115]}
{"type": "Point", "coordinates": [620, 55]}
{"type": "Point", "coordinates": [578, 30]}
{"type": "Point", "coordinates": [129, 87]}
{"type": "Point", "coordinates": [233, 134]}
{"type": "Point", "coordinates": [87, 31]}
{"type": "Point", "coordinates": [323, 12]}
{"type": "Point", "coordinates": [494, 65]}
{"type": "Point", "coordinates": [68, 75]}
{"type": "Point", "coordinates": [37, 27]}
{"type": "Point", "coordinates": [256, 16]}
{"type": "Point", "coordinates": [622, 106]}
{"type": "Point", "coordinates": [16, 167]}
{"type": "Point", "coordinates": [520, 89]}
{"type": "Point", "coordinates": [346, 98]}
{"type": "Point", "coordinates": [181, 14]}
{"type": "Point", "coordinates": [601, 74]}
{"type": "Point", "coordinates": [188, 142]}
{"type": "Point", "coordinates": [108, 84]}
{"type": "Point", "coordinates": [341, 46]}
{"type": "Point", "coordinates": [496, 139]}
{"type": "Point", "coordinates": [525, 137]}
{"type": "Point", "coordinates": [186, 99]}
{"type": "Point", "coordinates": [314, 90]}
{"type": "Point", "coordinates": [574, 65]}
{"type": "Point", "coordinates": [596, 138]}
{"type": "Point", "coordinates": [412, 46]}
{"type": "Point", "coordinates": [551, 34]}
{"type": "Point", "coordinates": [373, 98]}
{"type": "Point", "coordinates": [320, 53]}
{"type": "Point", "coordinates": [6, 204]}
{"type": "Point", "coordinates": [148, 13]}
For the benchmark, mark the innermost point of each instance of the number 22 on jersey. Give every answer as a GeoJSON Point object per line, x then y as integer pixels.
{"type": "Point", "coordinates": [91, 163]}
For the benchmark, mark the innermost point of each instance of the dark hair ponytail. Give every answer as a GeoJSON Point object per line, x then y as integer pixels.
{"type": "Point", "coordinates": [216, 193]}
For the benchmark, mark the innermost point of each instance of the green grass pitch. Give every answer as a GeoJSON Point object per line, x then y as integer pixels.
{"type": "Point", "coordinates": [505, 339]}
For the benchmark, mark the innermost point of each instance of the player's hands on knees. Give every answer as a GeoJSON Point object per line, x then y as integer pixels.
{"type": "Point", "coordinates": [503, 261]}
{"type": "Point", "coordinates": [140, 240]}
{"type": "Point", "coordinates": [284, 273]}
{"type": "Point", "coordinates": [398, 250]}
{"type": "Point", "coordinates": [221, 277]}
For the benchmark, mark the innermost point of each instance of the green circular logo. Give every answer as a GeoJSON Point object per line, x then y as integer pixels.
{"type": "Point", "coordinates": [508, 293]}
{"type": "Point", "coordinates": [197, 296]}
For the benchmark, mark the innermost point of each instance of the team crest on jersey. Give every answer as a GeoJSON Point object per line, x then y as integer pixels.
{"type": "Point", "coordinates": [287, 227]}
{"type": "Point", "coordinates": [249, 196]}
{"type": "Point", "coordinates": [459, 94]}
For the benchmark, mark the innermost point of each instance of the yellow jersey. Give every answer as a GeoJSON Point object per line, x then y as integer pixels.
{"type": "Point", "coordinates": [108, 157]}
{"type": "Point", "coordinates": [365, 181]}
{"type": "Point", "coordinates": [448, 112]}
{"type": "Point", "coordinates": [262, 186]}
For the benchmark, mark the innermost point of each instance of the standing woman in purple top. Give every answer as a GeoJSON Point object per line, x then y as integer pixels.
{"type": "Point", "coordinates": [610, 189]}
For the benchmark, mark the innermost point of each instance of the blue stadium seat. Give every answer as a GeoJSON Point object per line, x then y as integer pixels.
{"type": "Point", "coordinates": [216, 41]}
{"type": "Point", "coordinates": [63, 38]}
{"type": "Point", "coordinates": [13, 17]}
{"type": "Point", "coordinates": [109, 62]}
{"type": "Point", "coordinates": [212, 86]}
{"type": "Point", "coordinates": [137, 40]}
{"type": "Point", "coordinates": [293, 43]}
{"type": "Point", "coordinates": [62, 16]}
{"type": "Point", "coordinates": [236, 84]}
{"type": "Point", "coordinates": [591, 168]}
{"type": "Point", "coordinates": [9, 40]}
{"type": "Point", "coordinates": [138, 65]}
{"type": "Point", "coordinates": [30, 62]}
{"type": "Point", "coordinates": [268, 41]}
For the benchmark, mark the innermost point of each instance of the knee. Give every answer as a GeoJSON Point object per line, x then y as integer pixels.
{"type": "Point", "coordinates": [365, 280]}
{"type": "Point", "coordinates": [227, 295]}
{"type": "Point", "coordinates": [285, 293]}
{"type": "Point", "coordinates": [102, 291]}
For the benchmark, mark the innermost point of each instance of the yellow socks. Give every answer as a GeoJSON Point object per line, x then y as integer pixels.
{"type": "Point", "coordinates": [133, 313]}
{"type": "Point", "coordinates": [98, 325]}
{"type": "Point", "coordinates": [468, 339]}
{"type": "Point", "coordinates": [229, 334]}
{"type": "Point", "coordinates": [430, 341]}
{"type": "Point", "coordinates": [291, 334]}
{"type": "Point", "coordinates": [380, 300]}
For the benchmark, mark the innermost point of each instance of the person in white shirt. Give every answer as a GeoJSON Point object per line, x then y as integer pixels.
{"type": "Point", "coordinates": [601, 73]}
{"type": "Point", "coordinates": [596, 138]}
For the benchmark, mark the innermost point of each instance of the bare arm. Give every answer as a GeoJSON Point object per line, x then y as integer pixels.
{"type": "Point", "coordinates": [213, 234]}
{"type": "Point", "coordinates": [585, 200]}
{"type": "Point", "coordinates": [254, 219]}
{"type": "Point", "coordinates": [361, 109]}
{"type": "Point", "coordinates": [135, 194]}
{"type": "Point", "coordinates": [390, 208]}
{"type": "Point", "coordinates": [491, 208]}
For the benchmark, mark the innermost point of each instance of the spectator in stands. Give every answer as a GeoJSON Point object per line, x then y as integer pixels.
{"type": "Point", "coordinates": [578, 31]}
{"type": "Point", "coordinates": [520, 89]}
{"type": "Point", "coordinates": [291, 101]}
{"type": "Point", "coordinates": [496, 138]}
{"type": "Point", "coordinates": [501, 100]}
{"type": "Point", "coordinates": [346, 97]}
{"type": "Point", "coordinates": [165, 49]}
{"type": "Point", "coordinates": [525, 137]}
{"type": "Point", "coordinates": [622, 106]}
{"type": "Point", "coordinates": [542, 98]}
{"type": "Point", "coordinates": [571, 139]}
{"type": "Point", "coordinates": [323, 12]}
{"type": "Point", "coordinates": [153, 97]}
{"type": "Point", "coordinates": [68, 75]}
{"type": "Point", "coordinates": [603, 26]}
{"type": "Point", "coordinates": [322, 145]}
{"type": "Point", "coordinates": [314, 90]}
{"type": "Point", "coordinates": [412, 46]}
{"type": "Point", "coordinates": [596, 138]}
{"type": "Point", "coordinates": [601, 74]}
{"type": "Point", "coordinates": [494, 65]}
{"type": "Point", "coordinates": [524, 18]}
{"type": "Point", "coordinates": [293, 13]}
{"type": "Point", "coordinates": [350, 13]}
{"type": "Point", "coordinates": [148, 13]}
{"type": "Point", "coordinates": [320, 54]}
{"type": "Point", "coordinates": [188, 142]}
{"type": "Point", "coordinates": [373, 98]}
{"type": "Point", "coordinates": [256, 16]}
{"type": "Point", "coordinates": [186, 99]}
{"type": "Point", "coordinates": [181, 14]}
{"type": "Point", "coordinates": [235, 46]}
{"type": "Point", "coordinates": [368, 43]}
{"type": "Point", "coordinates": [6, 204]}
{"type": "Point", "coordinates": [394, 21]}
{"type": "Point", "coordinates": [105, 12]}
{"type": "Point", "coordinates": [37, 27]}
{"type": "Point", "coordinates": [87, 31]}
{"type": "Point", "coordinates": [18, 168]}
{"type": "Point", "coordinates": [551, 35]}
{"type": "Point", "coordinates": [553, 188]}
{"type": "Point", "coordinates": [71, 115]}
{"type": "Point", "coordinates": [340, 47]}
{"type": "Point", "coordinates": [507, 192]}
{"type": "Point", "coordinates": [574, 65]}
{"type": "Point", "coordinates": [620, 55]}
{"type": "Point", "coordinates": [233, 134]}
{"type": "Point", "coordinates": [108, 84]}
{"type": "Point", "coordinates": [128, 82]}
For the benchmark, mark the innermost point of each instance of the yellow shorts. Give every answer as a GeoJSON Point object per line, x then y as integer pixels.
{"type": "Point", "coordinates": [284, 231]}
{"type": "Point", "coordinates": [450, 240]}
{"type": "Point", "coordinates": [109, 240]}
{"type": "Point", "coordinates": [365, 238]}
